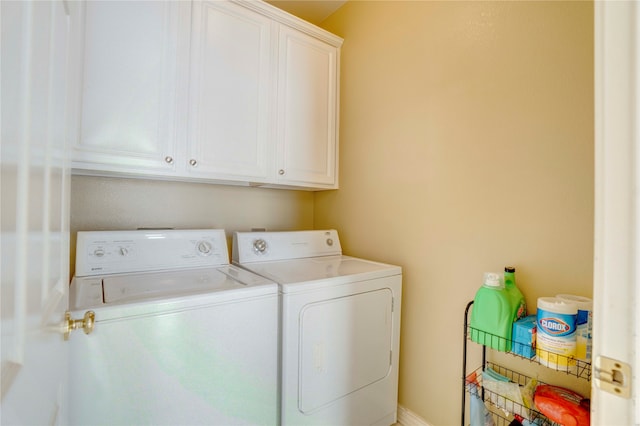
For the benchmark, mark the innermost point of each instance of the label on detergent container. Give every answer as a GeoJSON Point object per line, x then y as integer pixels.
{"type": "Point", "coordinates": [556, 339]}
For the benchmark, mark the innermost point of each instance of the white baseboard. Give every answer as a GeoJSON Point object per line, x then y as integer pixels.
{"type": "Point", "coordinates": [407, 417]}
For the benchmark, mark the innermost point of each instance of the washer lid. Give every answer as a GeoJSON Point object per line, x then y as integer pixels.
{"type": "Point", "coordinates": [227, 282]}
{"type": "Point", "coordinates": [125, 288]}
{"type": "Point", "coordinates": [333, 270]}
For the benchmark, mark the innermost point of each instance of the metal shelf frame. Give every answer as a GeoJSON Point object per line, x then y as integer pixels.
{"type": "Point", "coordinates": [575, 367]}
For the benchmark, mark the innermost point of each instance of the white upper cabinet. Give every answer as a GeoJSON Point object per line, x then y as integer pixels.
{"type": "Point", "coordinates": [212, 91]}
{"type": "Point", "coordinates": [229, 95]}
{"type": "Point", "coordinates": [133, 56]}
{"type": "Point", "coordinates": [307, 110]}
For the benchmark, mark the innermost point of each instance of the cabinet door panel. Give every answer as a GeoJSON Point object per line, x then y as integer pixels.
{"type": "Point", "coordinates": [229, 95]}
{"type": "Point", "coordinates": [130, 74]}
{"type": "Point", "coordinates": [306, 109]}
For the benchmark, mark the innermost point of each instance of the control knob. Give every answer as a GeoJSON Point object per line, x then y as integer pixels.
{"type": "Point", "coordinates": [204, 248]}
{"type": "Point", "coordinates": [259, 246]}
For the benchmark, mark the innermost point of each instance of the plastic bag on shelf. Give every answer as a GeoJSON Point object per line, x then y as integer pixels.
{"type": "Point", "coordinates": [528, 391]}
{"type": "Point", "coordinates": [503, 393]}
{"type": "Point", "coordinates": [479, 414]}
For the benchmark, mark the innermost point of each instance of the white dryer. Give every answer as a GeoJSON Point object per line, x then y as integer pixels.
{"type": "Point", "coordinates": [340, 327]}
{"type": "Point", "coordinates": [181, 337]}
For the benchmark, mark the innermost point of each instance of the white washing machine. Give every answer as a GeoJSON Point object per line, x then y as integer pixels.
{"type": "Point", "coordinates": [181, 336]}
{"type": "Point", "coordinates": [340, 327]}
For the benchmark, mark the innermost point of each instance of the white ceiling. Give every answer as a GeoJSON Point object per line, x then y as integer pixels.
{"type": "Point", "coordinates": [314, 11]}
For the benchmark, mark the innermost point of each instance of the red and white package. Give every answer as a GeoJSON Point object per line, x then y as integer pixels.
{"type": "Point", "coordinates": [562, 406]}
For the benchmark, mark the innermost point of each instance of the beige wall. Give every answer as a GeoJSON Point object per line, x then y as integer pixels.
{"type": "Point", "coordinates": [99, 203]}
{"type": "Point", "coordinates": [466, 145]}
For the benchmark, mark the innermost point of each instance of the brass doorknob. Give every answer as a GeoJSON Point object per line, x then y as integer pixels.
{"type": "Point", "coordinates": [87, 323]}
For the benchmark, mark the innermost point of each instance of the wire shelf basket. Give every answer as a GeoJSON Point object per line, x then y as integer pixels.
{"type": "Point", "coordinates": [569, 365]}
{"type": "Point", "coordinates": [503, 408]}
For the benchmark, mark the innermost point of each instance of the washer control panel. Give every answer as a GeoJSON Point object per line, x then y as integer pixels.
{"type": "Point", "coordinates": [112, 252]}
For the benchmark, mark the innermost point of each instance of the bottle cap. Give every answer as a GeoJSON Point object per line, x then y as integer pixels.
{"type": "Point", "coordinates": [509, 269]}
{"type": "Point", "coordinates": [493, 279]}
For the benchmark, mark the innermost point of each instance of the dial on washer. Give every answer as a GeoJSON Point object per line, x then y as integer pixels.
{"type": "Point", "coordinates": [204, 248]}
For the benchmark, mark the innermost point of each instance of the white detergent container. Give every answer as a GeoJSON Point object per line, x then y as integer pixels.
{"type": "Point", "coordinates": [181, 337]}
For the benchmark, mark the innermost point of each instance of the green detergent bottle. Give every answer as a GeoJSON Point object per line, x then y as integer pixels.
{"type": "Point", "coordinates": [492, 314]}
{"type": "Point", "coordinates": [515, 296]}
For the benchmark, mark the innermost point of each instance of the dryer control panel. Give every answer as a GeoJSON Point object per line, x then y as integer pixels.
{"type": "Point", "coordinates": [270, 246]}
{"type": "Point", "coordinates": [113, 252]}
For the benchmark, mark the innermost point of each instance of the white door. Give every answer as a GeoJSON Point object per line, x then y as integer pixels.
{"type": "Point", "coordinates": [36, 42]}
{"type": "Point", "coordinates": [132, 84]}
{"type": "Point", "coordinates": [336, 360]}
{"type": "Point", "coordinates": [229, 133]}
{"type": "Point", "coordinates": [307, 110]}
{"type": "Point", "coordinates": [617, 212]}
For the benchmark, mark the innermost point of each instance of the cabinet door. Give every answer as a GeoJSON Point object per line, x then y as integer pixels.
{"type": "Point", "coordinates": [307, 110]}
{"type": "Point", "coordinates": [129, 113]}
{"type": "Point", "coordinates": [229, 98]}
